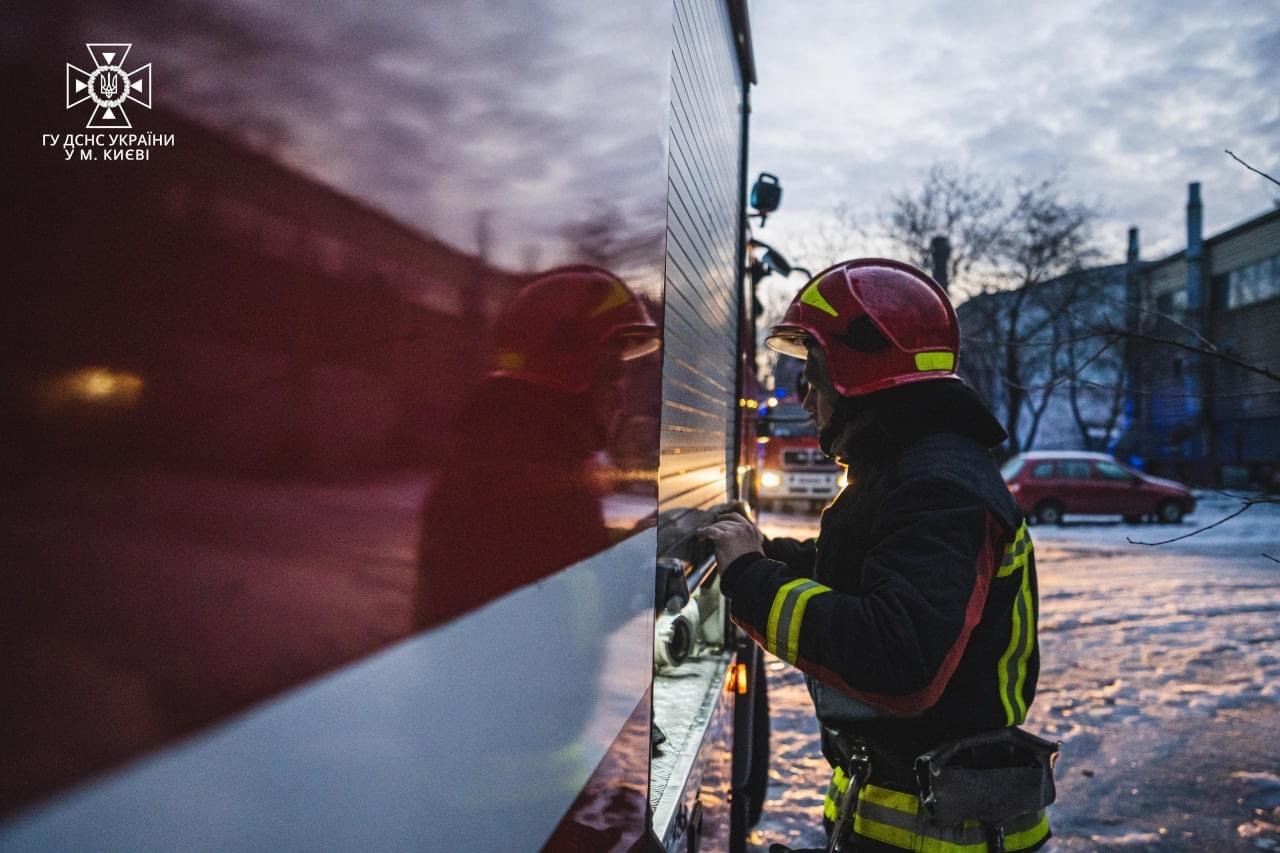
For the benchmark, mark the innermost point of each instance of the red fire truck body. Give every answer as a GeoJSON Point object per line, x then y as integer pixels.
{"type": "Point", "coordinates": [255, 438]}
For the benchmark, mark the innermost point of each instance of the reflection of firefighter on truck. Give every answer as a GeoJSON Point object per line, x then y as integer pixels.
{"type": "Point", "coordinates": [913, 614]}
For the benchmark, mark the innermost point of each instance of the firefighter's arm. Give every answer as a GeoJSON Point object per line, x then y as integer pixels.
{"type": "Point", "coordinates": [800, 556]}
{"type": "Point", "coordinates": [896, 644]}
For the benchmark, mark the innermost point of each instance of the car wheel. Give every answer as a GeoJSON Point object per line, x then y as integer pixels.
{"type": "Point", "coordinates": [1049, 512]}
{"type": "Point", "coordinates": [1133, 519]}
{"type": "Point", "coordinates": [1169, 512]}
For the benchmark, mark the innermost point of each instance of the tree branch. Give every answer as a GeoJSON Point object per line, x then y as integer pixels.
{"type": "Point", "coordinates": [1142, 392]}
{"type": "Point", "coordinates": [1242, 509]}
{"type": "Point", "coordinates": [1251, 169]}
{"type": "Point", "coordinates": [1141, 309]}
{"type": "Point", "coordinates": [1092, 336]}
{"type": "Point", "coordinates": [1142, 336]}
{"type": "Point", "coordinates": [1246, 504]}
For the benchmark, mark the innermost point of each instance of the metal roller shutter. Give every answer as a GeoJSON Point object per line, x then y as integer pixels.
{"type": "Point", "coordinates": [698, 382]}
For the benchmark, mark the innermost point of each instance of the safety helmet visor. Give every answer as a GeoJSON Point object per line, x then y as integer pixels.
{"type": "Point", "coordinates": [789, 340]}
{"type": "Point", "coordinates": [636, 341]}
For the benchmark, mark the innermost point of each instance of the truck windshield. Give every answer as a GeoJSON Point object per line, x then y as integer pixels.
{"type": "Point", "coordinates": [790, 422]}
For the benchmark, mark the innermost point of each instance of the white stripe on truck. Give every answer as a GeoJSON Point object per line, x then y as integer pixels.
{"type": "Point", "coordinates": [475, 736]}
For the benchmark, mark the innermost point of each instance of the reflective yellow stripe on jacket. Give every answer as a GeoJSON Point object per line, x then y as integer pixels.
{"type": "Point", "coordinates": [1012, 668]}
{"type": "Point", "coordinates": [786, 616]}
{"type": "Point", "coordinates": [896, 819]}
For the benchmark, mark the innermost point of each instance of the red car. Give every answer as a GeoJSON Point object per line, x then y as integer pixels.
{"type": "Point", "coordinates": [1047, 484]}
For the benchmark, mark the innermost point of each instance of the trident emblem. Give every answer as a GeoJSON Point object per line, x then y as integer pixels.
{"type": "Point", "coordinates": [109, 86]}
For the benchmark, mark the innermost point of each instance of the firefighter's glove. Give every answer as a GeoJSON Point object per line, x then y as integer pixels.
{"type": "Point", "coordinates": [742, 508]}
{"type": "Point", "coordinates": [733, 536]}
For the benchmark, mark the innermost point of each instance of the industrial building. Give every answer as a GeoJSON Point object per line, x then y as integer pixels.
{"type": "Point", "coordinates": [1204, 317]}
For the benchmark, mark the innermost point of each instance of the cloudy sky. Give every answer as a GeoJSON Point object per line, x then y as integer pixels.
{"type": "Point", "coordinates": [1127, 100]}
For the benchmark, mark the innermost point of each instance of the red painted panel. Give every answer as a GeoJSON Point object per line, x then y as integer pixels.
{"type": "Point", "coordinates": [252, 426]}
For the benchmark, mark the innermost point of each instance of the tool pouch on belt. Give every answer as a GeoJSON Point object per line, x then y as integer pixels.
{"type": "Point", "coordinates": [992, 777]}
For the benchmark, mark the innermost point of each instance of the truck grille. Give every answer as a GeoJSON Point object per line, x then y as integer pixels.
{"type": "Point", "coordinates": [805, 458]}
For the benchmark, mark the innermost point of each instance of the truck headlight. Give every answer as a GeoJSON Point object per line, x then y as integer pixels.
{"type": "Point", "coordinates": [770, 479]}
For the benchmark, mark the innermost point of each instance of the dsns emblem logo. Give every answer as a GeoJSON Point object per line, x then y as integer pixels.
{"type": "Point", "coordinates": [109, 86]}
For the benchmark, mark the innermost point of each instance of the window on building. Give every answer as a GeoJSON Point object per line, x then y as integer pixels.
{"type": "Point", "coordinates": [1221, 286]}
{"type": "Point", "coordinates": [1255, 282]}
{"type": "Point", "coordinates": [1172, 304]}
{"type": "Point", "coordinates": [1075, 469]}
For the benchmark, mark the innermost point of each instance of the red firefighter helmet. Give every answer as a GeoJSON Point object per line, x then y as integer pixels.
{"type": "Point", "coordinates": [880, 323]}
{"type": "Point", "coordinates": [563, 329]}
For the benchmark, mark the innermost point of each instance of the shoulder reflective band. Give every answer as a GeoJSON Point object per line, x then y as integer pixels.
{"type": "Point", "coordinates": [813, 296]}
{"type": "Point", "coordinates": [926, 361]}
{"type": "Point", "coordinates": [1015, 553]}
{"type": "Point", "coordinates": [894, 818]}
{"type": "Point", "coordinates": [783, 635]}
{"type": "Point", "coordinates": [1012, 668]}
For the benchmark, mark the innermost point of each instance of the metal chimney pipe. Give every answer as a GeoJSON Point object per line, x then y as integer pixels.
{"type": "Point", "coordinates": [940, 258]}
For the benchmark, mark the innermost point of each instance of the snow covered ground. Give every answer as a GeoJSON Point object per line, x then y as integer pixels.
{"type": "Point", "coordinates": [1160, 676]}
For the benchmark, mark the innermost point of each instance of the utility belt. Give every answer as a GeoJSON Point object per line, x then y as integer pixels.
{"type": "Point", "coordinates": [984, 792]}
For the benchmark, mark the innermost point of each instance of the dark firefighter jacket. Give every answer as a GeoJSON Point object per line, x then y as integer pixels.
{"type": "Point", "coordinates": [914, 614]}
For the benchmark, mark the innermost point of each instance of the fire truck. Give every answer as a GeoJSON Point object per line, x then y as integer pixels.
{"type": "Point", "coordinates": [792, 471]}
{"type": "Point", "coordinates": [331, 518]}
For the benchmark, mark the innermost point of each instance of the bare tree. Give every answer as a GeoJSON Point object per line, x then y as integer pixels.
{"type": "Point", "coordinates": [1057, 346]}
{"type": "Point", "coordinates": [1093, 362]}
{"type": "Point", "coordinates": [1006, 242]}
{"type": "Point", "coordinates": [970, 211]}
{"type": "Point", "coordinates": [1053, 364]}
{"type": "Point", "coordinates": [1027, 335]}
{"type": "Point", "coordinates": [1107, 398]}
{"type": "Point", "coordinates": [840, 236]}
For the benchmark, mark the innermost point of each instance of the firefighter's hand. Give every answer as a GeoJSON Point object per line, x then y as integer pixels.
{"type": "Point", "coordinates": [742, 508]}
{"type": "Point", "coordinates": [733, 536]}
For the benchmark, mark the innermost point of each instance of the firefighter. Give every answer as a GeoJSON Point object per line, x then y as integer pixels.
{"type": "Point", "coordinates": [524, 448]}
{"type": "Point", "coordinates": [913, 614]}
{"type": "Point", "coordinates": [518, 498]}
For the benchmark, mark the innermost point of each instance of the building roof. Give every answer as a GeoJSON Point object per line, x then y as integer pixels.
{"type": "Point", "coordinates": [1100, 275]}
{"type": "Point", "coordinates": [1248, 224]}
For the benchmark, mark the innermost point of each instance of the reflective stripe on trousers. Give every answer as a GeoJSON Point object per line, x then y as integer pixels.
{"type": "Point", "coordinates": [896, 819]}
